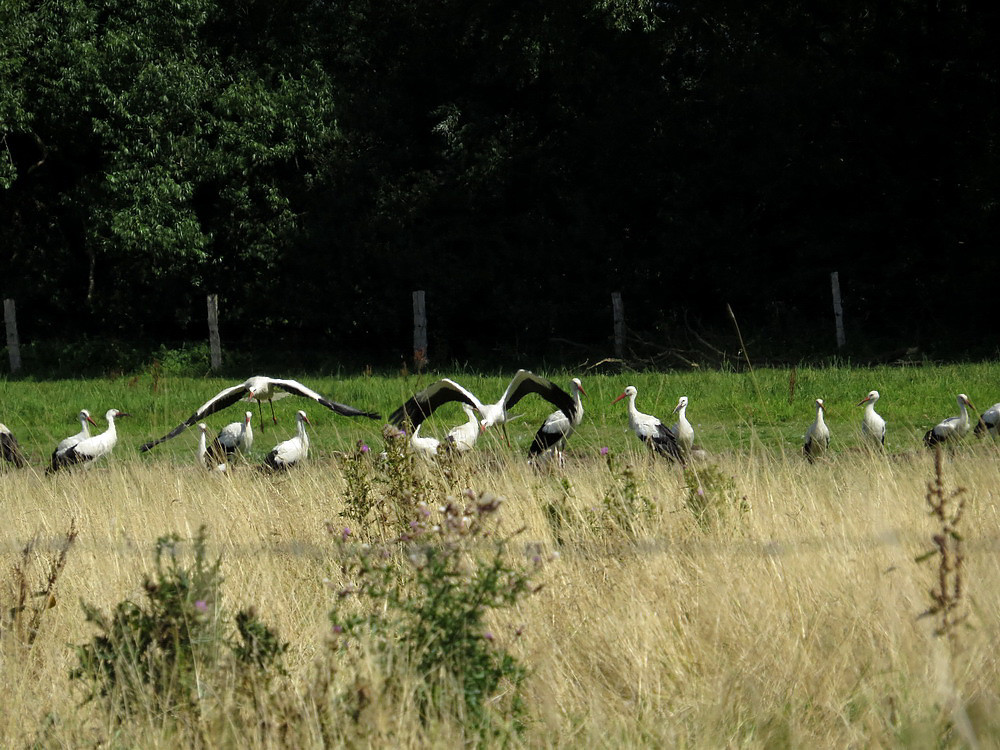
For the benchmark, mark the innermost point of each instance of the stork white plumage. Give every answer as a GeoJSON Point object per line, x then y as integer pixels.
{"type": "Point", "coordinates": [872, 424]}
{"type": "Point", "coordinates": [557, 427]}
{"type": "Point", "coordinates": [989, 422]}
{"type": "Point", "coordinates": [462, 438]}
{"type": "Point", "coordinates": [234, 437]}
{"type": "Point", "coordinates": [95, 447]}
{"type": "Point", "coordinates": [682, 429]}
{"type": "Point", "coordinates": [421, 405]}
{"type": "Point", "coordinates": [209, 460]}
{"type": "Point", "coordinates": [952, 429]}
{"type": "Point", "coordinates": [10, 451]}
{"type": "Point", "coordinates": [817, 439]}
{"type": "Point", "coordinates": [258, 388]}
{"type": "Point", "coordinates": [650, 429]}
{"type": "Point", "coordinates": [427, 447]}
{"type": "Point", "coordinates": [66, 443]}
{"type": "Point", "coordinates": [291, 452]}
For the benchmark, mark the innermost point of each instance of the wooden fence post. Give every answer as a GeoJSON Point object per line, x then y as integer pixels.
{"type": "Point", "coordinates": [13, 343]}
{"type": "Point", "coordinates": [214, 342]}
{"type": "Point", "coordinates": [419, 331]}
{"type": "Point", "coordinates": [618, 309]}
{"type": "Point", "coordinates": [838, 310]}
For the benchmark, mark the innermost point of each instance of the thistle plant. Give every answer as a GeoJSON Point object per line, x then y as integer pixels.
{"type": "Point", "coordinates": [423, 598]}
{"type": "Point", "coordinates": [711, 495]}
{"type": "Point", "coordinates": [624, 503]}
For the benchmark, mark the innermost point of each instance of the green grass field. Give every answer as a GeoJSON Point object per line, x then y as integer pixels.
{"type": "Point", "coordinates": [754, 600]}
{"type": "Point", "coordinates": [768, 409]}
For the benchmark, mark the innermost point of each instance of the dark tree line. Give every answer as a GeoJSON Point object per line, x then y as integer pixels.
{"type": "Point", "coordinates": [314, 162]}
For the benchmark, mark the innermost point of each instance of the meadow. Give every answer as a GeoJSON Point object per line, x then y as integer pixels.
{"type": "Point", "coordinates": [750, 600]}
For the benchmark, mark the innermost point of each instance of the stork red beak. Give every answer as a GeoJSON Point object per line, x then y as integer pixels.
{"type": "Point", "coordinates": [619, 398]}
{"type": "Point", "coordinates": [580, 387]}
{"type": "Point", "coordinates": [123, 414]}
{"type": "Point", "coordinates": [91, 421]}
{"type": "Point", "coordinates": [865, 400]}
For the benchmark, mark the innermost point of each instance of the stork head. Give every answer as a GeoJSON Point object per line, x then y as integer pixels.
{"type": "Point", "coordinates": [630, 391]}
{"type": "Point", "coordinates": [820, 405]}
{"type": "Point", "coordinates": [872, 397]}
{"type": "Point", "coordinates": [248, 417]}
{"type": "Point", "coordinates": [682, 403]}
{"type": "Point", "coordinates": [84, 416]}
{"type": "Point", "coordinates": [202, 426]}
{"type": "Point", "coordinates": [301, 416]}
{"type": "Point", "coordinates": [963, 399]}
{"type": "Point", "coordinates": [577, 385]}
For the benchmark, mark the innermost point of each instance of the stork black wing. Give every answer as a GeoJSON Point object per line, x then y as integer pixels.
{"type": "Point", "coordinates": [526, 382]}
{"type": "Point", "coordinates": [423, 404]}
{"type": "Point", "coordinates": [293, 386]}
{"type": "Point", "coordinates": [664, 442]}
{"type": "Point", "coordinates": [11, 450]}
{"type": "Point", "coordinates": [220, 401]}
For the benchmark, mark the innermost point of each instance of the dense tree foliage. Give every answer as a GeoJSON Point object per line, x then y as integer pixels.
{"type": "Point", "coordinates": [315, 162]}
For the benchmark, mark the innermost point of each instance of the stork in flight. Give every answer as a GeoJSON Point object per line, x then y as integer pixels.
{"type": "Point", "coordinates": [872, 424]}
{"type": "Point", "coordinates": [649, 429]}
{"type": "Point", "coordinates": [817, 439]}
{"type": "Point", "coordinates": [92, 448]}
{"type": "Point", "coordinates": [9, 448]}
{"type": "Point", "coordinates": [291, 452]}
{"type": "Point", "coordinates": [421, 405]}
{"type": "Point", "coordinates": [989, 422]}
{"type": "Point", "coordinates": [557, 427]}
{"type": "Point", "coordinates": [951, 429]}
{"type": "Point", "coordinates": [66, 443]}
{"type": "Point", "coordinates": [258, 388]}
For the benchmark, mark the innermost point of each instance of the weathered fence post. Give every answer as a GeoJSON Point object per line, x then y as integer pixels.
{"type": "Point", "coordinates": [618, 310]}
{"type": "Point", "coordinates": [838, 310]}
{"type": "Point", "coordinates": [214, 342]}
{"type": "Point", "coordinates": [13, 344]}
{"type": "Point", "coordinates": [419, 331]}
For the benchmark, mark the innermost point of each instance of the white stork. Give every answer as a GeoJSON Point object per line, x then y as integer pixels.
{"type": "Point", "coordinates": [951, 429]}
{"type": "Point", "coordinates": [989, 422]}
{"type": "Point", "coordinates": [557, 427]}
{"type": "Point", "coordinates": [66, 443]}
{"type": "Point", "coordinates": [427, 447]}
{"type": "Point", "coordinates": [234, 437]}
{"type": "Point", "coordinates": [210, 460]}
{"type": "Point", "coordinates": [817, 439]}
{"type": "Point", "coordinates": [258, 388]}
{"type": "Point", "coordinates": [89, 450]}
{"type": "Point", "coordinates": [462, 438]}
{"type": "Point", "coordinates": [9, 449]}
{"type": "Point", "coordinates": [649, 429]}
{"type": "Point", "coordinates": [682, 429]}
{"type": "Point", "coordinates": [287, 454]}
{"type": "Point", "coordinates": [872, 424]}
{"type": "Point", "coordinates": [422, 405]}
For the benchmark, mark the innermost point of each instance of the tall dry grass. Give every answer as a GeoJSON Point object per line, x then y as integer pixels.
{"type": "Point", "coordinates": [792, 620]}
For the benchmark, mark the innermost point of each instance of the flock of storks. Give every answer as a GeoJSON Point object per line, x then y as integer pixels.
{"type": "Point", "coordinates": [675, 442]}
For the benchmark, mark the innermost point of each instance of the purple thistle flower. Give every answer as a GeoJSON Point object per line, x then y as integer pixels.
{"type": "Point", "coordinates": [201, 606]}
{"type": "Point", "coordinates": [488, 635]}
{"type": "Point", "coordinates": [604, 450]}
{"type": "Point", "coordinates": [345, 533]}
{"type": "Point", "coordinates": [365, 448]}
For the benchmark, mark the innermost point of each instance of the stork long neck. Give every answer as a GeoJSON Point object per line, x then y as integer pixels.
{"type": "Point", "coordinates": [84, 427]}
{"type": "Point", "coordinates": [303, 435]}
{"type": "Point", "coordinates": [963, 414]}
{"type": "Point", "coordinates": [819, 415]}
{"type": "Point", "coordinates": [111, 432]}
{"type": "Point", "coordinates": [202, 446]}
{"type": "Point", "coordinates": [870, 408]}
{"type": "Point", "coordinates": [578, 403]}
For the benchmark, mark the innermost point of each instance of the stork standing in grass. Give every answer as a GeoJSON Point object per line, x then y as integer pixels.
{"type": "Point", "coordinates": [209, 459]}
{"type": "Point", "coordinates": [235, 437]}
{"type": "Point", "coordinates": [427, 447]}
{"type": "Point", "coordinates": [66, 443]}
{"type": "Point", "coordinates": [462, 438]}
{"type": "Point", "coordinates": [10, 451]}
{"type": "Point", "coordinates": [557, 427]}
{"type": "Point", "coordinates": [649, 429]}
{"type": "Point", "coordinates": [817, 440]}
{"type": "Point", "coordinates": [989, 422]}
{"type": "Point", "coordinates": [291, 452]}
{"type": "Point", "coordinates": [89, 450]}
{"type": "Point", "coordinates": [682, 429]}
{"type": "Point", "coordinates": [258, 388]}
{"type": "Point", "coordinates": [952, 429]}
{"type": "Point", "coordinates": [872, 424]}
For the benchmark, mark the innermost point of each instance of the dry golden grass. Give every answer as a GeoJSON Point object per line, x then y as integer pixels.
{"type": "Point", "coordinates": [794, 623]}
